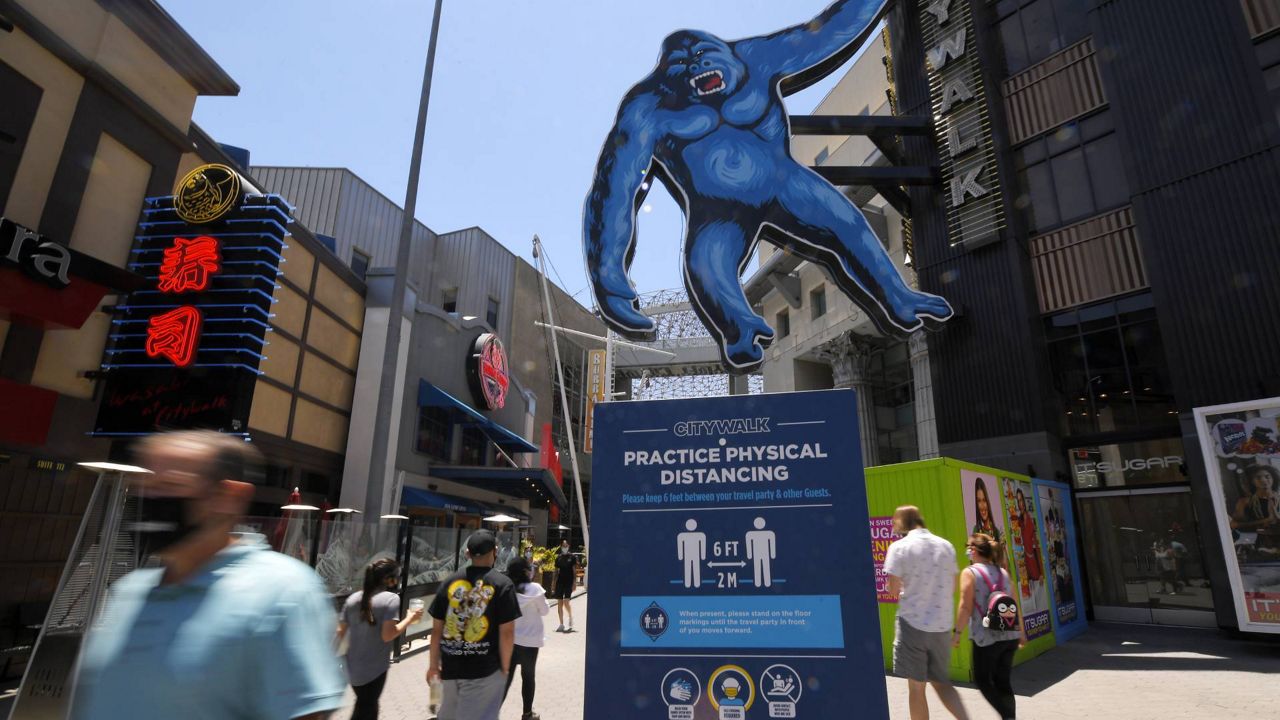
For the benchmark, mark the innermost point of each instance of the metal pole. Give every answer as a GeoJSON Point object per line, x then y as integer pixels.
{"type": "Point", "coordinates": [589, 336]}
{"type": "Point", "coordinates": [564, 398]}
{"type": "Point", "coordinates": [380, 449]}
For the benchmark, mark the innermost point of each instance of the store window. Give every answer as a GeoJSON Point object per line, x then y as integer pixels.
{"type": "Point", "coordinates": [360, 263]}
{"type": "Point", "coordinates": [435, 433]}
{"type": "Point", "coordinates": [449, 299]}
{"type": "Point", "coordinates": [280, 476]}
{"type": "Point", "coordinates": [782, 323]}
{"type": "Point", "coordinates": [475, 447]}
{"type": "Point", "coordinates": [1071, 174]}
{"type": "Point", "coordinates": [315, 482]}
{"type": "Point", "coordinates": [818, 302]}
{"type": "Point", "coordinates": [1109, 368]}
{"type": "Point", "coordinates": [491, 314]}
{"type": "Point", "coordinates": [1147, 462]}
{"type": "Point", "coordinates": [1032, 31]}
{"type": "Point", "coordinates": [893, 394]}
{"type": "Point", "coordinates": [21, 100]}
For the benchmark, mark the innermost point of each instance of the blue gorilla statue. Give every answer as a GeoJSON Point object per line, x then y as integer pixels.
{"type": "Point", "coordinates": [709, 122]}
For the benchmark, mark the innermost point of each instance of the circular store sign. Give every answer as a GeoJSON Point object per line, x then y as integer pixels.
{"type": "Point", "coordinates": [488, 370]}
{"type": "Point", "coordinates": [206, 194]}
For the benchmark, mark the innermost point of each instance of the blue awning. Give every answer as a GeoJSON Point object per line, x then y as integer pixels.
{"type": "Point", "coordinates": [417, 497]}
{"type": "Point", "coordinates": [496, 509]}
{"type": "Point", "coordinates": [431, 396]}
{"type": "Point", "coordinates": [534, 484]}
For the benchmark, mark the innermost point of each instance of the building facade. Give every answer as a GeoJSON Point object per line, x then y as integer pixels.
{"type": "Point", "coordinates": [95, 134]}
{"type": "Point", "coordinates": [459, 457]}
{"type": "Point", "coordinates": [823, 339]}
{"type": "Point", "coordinates": [1108, 206]}
{"type": "Point", "coordinates": [97, 101]}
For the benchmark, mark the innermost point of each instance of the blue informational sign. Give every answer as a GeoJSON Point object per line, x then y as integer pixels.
{"type": "Point", "coordinates": [731, 573]}
{"type": "Point", "coordinates": [1058, 537]}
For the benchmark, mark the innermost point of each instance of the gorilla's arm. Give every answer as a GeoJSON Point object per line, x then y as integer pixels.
{"type": "Point", "coordinates": [610, 216]}
{"type": "Point", "coordinates": [800, 47]}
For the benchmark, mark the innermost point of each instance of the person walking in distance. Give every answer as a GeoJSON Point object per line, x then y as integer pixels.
{"type": "Point", "coordinates": [473, 635]}
{"type": "Point", "coordinates": [993, 649]}
{"type": "Point", "coordinates": [530, 635]}
{"type": "Point", "coordinates": [370, 623]}
{"type": "Point", "coordinates": [921, 568]}
{"type": "Point", "coordinates": [566, 582]}
{"type": "Point", "coordinates": [223, 627]}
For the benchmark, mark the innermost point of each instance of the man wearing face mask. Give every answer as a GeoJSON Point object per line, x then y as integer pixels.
{"type": "Point", "coordinates": [223, 627]}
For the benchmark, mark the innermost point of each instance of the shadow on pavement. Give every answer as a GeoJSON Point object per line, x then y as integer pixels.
{"type": "Point", "coordinates": [1118, 647]}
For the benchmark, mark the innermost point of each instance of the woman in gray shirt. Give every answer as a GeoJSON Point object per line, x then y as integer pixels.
{"type": "Point", "coordinates": [371, 618]}
{"type": "Point", "coordinates": [993, 650]}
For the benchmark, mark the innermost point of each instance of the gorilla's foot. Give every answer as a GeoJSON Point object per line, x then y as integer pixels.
{"type": "Point", "coordinates": [623, 315]}
{"type": "Point", "coordinates": [753, 336]}
{"type": "Point", "coordinates": [917, 308]}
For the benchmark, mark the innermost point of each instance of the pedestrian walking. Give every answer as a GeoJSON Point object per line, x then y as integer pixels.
{"type": "Point", "coordinates": [566, 582]}
{"type": "Point", "coordinates": [223, 627]}
{"type": "Point", "coordinates": [1167, 559]}
{"type": "Point", "coordinates": [473, 635]}
{"type": "Point", "coordinates": [530, 634]}
{"type": "Point", "coordinates": [921, 568]}
{"type": "Point", "coordinates": [993, 648]}
{"type": "Point", "coordinates": [370, 623]}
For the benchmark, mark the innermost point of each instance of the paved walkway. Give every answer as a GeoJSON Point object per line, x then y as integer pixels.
{"type": "Point", "coordinates": [561, 665]}
{"type": "Point", "coordinates": [1131, 672]}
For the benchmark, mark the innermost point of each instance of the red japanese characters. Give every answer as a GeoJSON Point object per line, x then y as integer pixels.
{"type": "Point", "coordinates": [175, 335]}
{"type": "Point", "coordinates": [189, 265]}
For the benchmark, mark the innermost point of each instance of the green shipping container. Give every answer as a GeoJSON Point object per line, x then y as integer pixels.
{"type": "Point", "coordinates": [949, 494]}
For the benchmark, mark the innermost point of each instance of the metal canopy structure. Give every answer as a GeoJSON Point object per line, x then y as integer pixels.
{"type": "Point", "coordinates": [695, 371]}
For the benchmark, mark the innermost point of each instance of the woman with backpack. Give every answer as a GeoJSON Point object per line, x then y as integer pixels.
{"type": "Point", "coordinates": [987, 604]}
{"type": "Point", "coordinates": [530, 635]}
{"type": "Point", "coordinates": [371, 621]}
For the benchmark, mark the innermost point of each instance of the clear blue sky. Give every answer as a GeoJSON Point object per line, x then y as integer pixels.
{"type": "Point", "coordinates": [524, 93]}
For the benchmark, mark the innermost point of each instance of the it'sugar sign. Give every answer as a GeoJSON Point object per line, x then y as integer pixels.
{"type": "Point", "coordinates": [709, 122]}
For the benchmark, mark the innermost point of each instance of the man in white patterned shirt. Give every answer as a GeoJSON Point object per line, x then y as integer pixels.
{"type": "Point", "coordinates": [922, 574]}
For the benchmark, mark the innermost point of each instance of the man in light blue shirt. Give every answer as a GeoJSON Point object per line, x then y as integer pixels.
{"type": "Point", "coordinates": [226, 628]}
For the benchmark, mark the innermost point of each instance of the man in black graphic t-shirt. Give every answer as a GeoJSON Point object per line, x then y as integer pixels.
{"type": "Point", "coordinates": [473, 634]}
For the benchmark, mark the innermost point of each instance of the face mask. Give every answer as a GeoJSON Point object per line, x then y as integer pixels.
{"type": "Point", "coordinates": [163, 522]}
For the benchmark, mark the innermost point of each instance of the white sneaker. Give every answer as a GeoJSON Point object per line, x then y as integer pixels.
{"type": "Point", "coordinates": [570, 626]}
{"type": "Point", "coordinates": [560, 629]}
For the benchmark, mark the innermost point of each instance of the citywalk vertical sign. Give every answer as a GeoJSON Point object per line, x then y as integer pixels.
{"type": "Point", "coordinates": [730, 579]}
{"type": "Point", "coordinates": [975, 212]}
{"type": "Point", "coordinates": [185, 351]}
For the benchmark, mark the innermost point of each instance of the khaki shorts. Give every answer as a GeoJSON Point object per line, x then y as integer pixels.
{"type": "Point", "coordinates": [920, 655]}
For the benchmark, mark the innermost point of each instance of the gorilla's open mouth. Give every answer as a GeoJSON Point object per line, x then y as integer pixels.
{"type": "Point", "coordinates": [708, 82]}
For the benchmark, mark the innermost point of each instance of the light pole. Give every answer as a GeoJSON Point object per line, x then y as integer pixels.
{"type": "Point", "coordinates": [379, 450]}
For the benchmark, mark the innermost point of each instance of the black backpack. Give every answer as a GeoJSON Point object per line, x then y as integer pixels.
{"type": "Point", "coordinates": [1002, 610]}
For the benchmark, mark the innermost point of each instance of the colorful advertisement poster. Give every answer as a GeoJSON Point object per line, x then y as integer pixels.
{"type": "Point", "coordinates": [881, 538]}
{"type": "Point", "coordinates": [982, 507]}
{"type": "Point", "coordinates": [1057, 532]}
{"type": "Point", "coordinates": [732, 588]}
{"type": "Point", "coordinates": [1022, 543]}
{"type": "Point", "coordinates": [1241, 446]}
